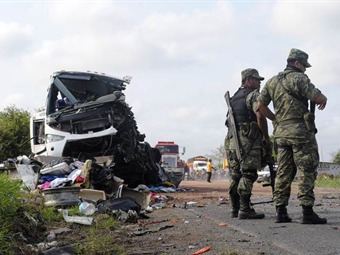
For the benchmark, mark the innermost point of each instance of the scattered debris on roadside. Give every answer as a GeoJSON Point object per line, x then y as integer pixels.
{"type": "Point", "coordinates": [93, 187]}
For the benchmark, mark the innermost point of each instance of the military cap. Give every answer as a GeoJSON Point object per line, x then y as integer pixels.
{"type": "Point", "coordinates": [251, 72]}
{"type": "Point", "coordinates": [296, 54]}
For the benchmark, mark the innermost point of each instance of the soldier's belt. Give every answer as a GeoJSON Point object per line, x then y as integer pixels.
{"type": "Point", "coordinates": [291, 121]}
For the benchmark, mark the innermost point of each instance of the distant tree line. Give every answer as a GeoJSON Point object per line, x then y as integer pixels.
{"type": "Point", "coordinates": [14, 132]}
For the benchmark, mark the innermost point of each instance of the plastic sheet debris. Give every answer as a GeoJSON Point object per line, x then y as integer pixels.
{"type": "Point", "coordinates": [28, 175]}
{"type": "Point", "coordinates": [76, 219]}
{"type": "Point", "coordinates": [58, 169]}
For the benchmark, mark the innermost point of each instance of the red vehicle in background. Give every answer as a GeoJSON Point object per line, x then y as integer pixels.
{"type": "Point", "coordinates": [171, 161]}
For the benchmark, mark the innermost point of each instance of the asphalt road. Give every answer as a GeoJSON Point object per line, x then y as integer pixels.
{"type": "Point", "coordinates": [293, 238]}
{"type": "Point", "coordinates": [208, 223]}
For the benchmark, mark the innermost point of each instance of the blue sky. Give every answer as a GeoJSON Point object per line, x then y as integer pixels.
{"type": "Point", "coordinates": [183, 56]}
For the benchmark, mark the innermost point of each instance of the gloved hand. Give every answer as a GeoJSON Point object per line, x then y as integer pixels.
{"type": "Point", "coordinates": [266, 153]}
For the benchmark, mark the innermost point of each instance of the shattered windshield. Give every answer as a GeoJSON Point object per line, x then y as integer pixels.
{"type": "Point", "coordinates": [68, 89]}
{"type": "Point", "coordinates": [88, 90]}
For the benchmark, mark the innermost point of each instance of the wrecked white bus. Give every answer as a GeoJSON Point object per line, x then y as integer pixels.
{"type": "Point", "coordinates": [82, 114]}
{"type": "Point", "coordinates": [86, 116]}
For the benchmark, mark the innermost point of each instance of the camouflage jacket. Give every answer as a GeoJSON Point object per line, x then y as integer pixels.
{"type": "Point", "coordinates": [290, 91]}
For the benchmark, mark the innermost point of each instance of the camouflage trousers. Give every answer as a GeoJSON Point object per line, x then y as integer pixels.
{"type": "Point", "coordinates": [243, 177]}
{"type": "Point", "coordinates": [301, 158]}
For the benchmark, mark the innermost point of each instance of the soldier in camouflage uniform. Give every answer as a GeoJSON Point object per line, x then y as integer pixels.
{"type": "Point", "coordinates": [252, 131]}
{"type": "Point", "coordinates": [294, 132]}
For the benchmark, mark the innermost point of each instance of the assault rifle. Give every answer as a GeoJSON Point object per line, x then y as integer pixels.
{"type": "Point", "coordinates": [232, 126]}
{"type": "Point", "coordinates": [268, 160]}
{"type": "Point", "coordinates": [312, 110]}
{"type": "Point", "coordinates": [262, 202]}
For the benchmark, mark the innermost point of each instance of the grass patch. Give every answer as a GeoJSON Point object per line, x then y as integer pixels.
{"type": "Point", "coordinates": [327, 181]}
{"type": "Point", "coordinates": [10, 202]}
{"type": "Point", "coordinates": [10, 196]}
{"type": "Point", "coordinates": [25, 220]}
{"type": "Point", "coordinates": [99, 238]}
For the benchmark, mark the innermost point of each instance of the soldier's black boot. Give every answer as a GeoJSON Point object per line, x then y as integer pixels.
{"type": "Point", "coordinates": [282, 215]}
{"type": "Point", "coordinates": [310, 217]}
{"type": "Point", "coordinates": [246, 212]}
{"type": "Point", "coordinates": [235, 205]}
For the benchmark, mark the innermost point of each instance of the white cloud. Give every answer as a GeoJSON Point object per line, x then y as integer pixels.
{"type": "Point", "coordinates": [189, 36]}
{"type": "Point", "coordinates": [312, 27]}
{"type": "Point", "coordinates": [14, 39]}
{"type": "Point", "coordinates": [13, 99]}
{"type": "Point", "coordinates": [306, 19]}
{"type": "Point", "coordinates": [91, 18]}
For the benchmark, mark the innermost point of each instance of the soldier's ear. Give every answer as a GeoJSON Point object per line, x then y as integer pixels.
{"type": "Point", "coordinates": [296, 63]}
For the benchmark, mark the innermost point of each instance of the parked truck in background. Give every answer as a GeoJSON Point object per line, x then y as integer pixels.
{"type": "Point", "coordinates": [171, 160]}
{"type": "Point", "coordinates": [197, 166]}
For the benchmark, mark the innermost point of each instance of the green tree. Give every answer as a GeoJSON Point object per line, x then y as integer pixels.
{"type": "Point", "coordinates": [14, 132]}
{"type": "Point", "coordinates": [336, 158]}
